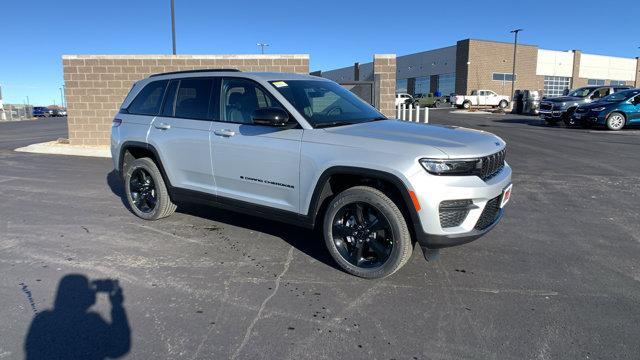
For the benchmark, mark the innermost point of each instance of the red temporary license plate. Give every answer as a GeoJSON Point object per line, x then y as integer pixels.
{"type": "Point", "coordinates": [506, 195]}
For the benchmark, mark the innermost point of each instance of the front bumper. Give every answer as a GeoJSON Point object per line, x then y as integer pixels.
{"type": "Point", "coordinates": [432, 190]}
{"type": "Point", "coordinates": [551, 114]}
{"type": "Point", "coordinates": [589, 118]}
{"type": "Point", "coordinates": [431, 241]}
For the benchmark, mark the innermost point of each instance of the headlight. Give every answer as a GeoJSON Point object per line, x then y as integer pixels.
{"type": "Point", "coordinates": [451, 167]}
{"type": "Point", "coordinates": [598, 109]}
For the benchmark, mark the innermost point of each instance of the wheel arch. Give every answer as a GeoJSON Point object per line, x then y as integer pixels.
{"type": "Point", "coordinates": [339, 178]}
{"type": "Point", "coordinates": [131, 150]}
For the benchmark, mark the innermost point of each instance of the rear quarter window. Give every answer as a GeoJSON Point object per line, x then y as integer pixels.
{"type": "Point", "coordinates": [148, 101]}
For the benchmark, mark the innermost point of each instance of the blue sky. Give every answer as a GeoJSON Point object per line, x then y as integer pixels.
{"type": "Point", "coordinates": [334, 33]}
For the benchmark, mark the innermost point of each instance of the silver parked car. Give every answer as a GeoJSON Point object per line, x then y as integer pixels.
{"type": "Point", "coordinates": [304, 150]}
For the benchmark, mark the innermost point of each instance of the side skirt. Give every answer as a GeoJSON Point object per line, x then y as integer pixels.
{"type": "Point", "coordinates": [197, 197]}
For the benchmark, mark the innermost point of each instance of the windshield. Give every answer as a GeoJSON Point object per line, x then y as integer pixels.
{"type": "Point", "coordinates": [581, 92]}
{"type": "Point", "coordinates": [621, 96]}
{"type": "Point", "coordinates": [325, 103]}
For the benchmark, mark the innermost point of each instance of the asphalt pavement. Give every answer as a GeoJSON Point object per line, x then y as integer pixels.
{"type": "Point", "coordinates": [558, 278]}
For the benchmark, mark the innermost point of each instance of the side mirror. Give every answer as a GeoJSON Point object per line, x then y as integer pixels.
{"type": "Point", "coordinates": [270, 117]}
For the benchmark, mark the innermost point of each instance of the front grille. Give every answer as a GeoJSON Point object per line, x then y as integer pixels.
{"type": "Point", "coordinates": [489, 214]}
{"type": "Point", "coordinates": [546, 106]}
{"type": "Point", "coordinates": [453, 212]}
{"type": "Point", "coordinates": [492, 164]}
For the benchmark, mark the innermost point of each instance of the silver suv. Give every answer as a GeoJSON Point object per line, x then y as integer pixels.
{"type": "Point", "coordinates": [303, 150]}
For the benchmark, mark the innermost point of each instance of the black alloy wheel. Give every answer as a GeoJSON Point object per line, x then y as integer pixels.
{"type": "Point", "coordinates": [362, 235]}
{"type": "Point", "coordinates": [143, 191]}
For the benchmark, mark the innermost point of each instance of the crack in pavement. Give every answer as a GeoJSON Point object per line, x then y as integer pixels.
{"type": "Point", "coordinates": [247, 333]}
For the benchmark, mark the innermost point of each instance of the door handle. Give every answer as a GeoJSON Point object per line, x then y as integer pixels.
{"type": "Point", "coordinates": [224, 132]}
{"type": "Point", "coordinates": [162, 126]}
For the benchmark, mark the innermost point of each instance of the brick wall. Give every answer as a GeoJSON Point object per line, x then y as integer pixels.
{"type": "Point", "coordinates": [96, 85]}
{"type": "Point", "coordinates": [637, 72]}
{"type": "Point", "coordinates": [488, 57]}
{"type": "Point", "coordinates": [384, 71]}
{"type": "Point", "coordinates": [576, 80]}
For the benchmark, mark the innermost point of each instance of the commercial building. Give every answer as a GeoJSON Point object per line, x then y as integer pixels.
{"type": "Point", "coordinates": [474, 64]}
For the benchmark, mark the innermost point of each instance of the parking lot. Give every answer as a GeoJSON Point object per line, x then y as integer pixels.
{"type": "Point", "coordinates": [558, 278]}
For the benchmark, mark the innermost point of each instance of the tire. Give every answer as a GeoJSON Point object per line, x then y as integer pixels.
{"type": "Point", "coordinates": [466, 105]}
{"type": "Point", "coordinates": [140, 171]}
{"type": "Point", "coordinates": [616, 121]}
{"type": "Point", "coordinates": [503, 104]}
{"type": "Point", "coordinates": [380, 222]}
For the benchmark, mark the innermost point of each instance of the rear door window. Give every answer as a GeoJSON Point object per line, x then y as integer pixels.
{"type": "Point", "coordinates": [194, 98]}
{"type": "Point", "coordinates": [148, 101]}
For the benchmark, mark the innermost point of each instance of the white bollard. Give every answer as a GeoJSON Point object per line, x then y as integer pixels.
{"type": "Point", "coordinates": [426, 115]}
{"type": "Point", "coordinates": [418, 113]}
{"type": "Point", "coordinates": [410, 112]}
{"type": "Point", "coordinates": [404, 112]}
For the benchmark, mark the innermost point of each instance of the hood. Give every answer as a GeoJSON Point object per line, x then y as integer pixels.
{"type": "Point", "coordinates": [563, 99]}
{"type": "Point", "coordinates": [404, 136]}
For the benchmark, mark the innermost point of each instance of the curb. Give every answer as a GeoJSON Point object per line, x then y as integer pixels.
{"type": "Point", "coordinates": [56, 148]}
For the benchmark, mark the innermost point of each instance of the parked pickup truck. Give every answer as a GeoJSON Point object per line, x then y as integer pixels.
{"type": "Point", "coordinates": [480, 98]}
{"type": "Point", "coordinates": [555, 109]}
{"type": "Point", "coordinates": [429, 100]}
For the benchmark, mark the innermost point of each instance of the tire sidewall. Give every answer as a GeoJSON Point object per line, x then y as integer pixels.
{"type": "Point", "coordinates": [395, 258]}
{"type": "Point", "coordinates": [151, 169]}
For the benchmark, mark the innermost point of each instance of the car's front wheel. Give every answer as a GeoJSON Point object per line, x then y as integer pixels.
{"type": "Point", "coordinates": [466, 105]}
{"type": "Point", "coordinates": [503, 104]}
{"type": "Point", "coordinates": [366, 233]}
{"type": "Point", "coordinates": [615, 121]}
{"type": "Point", "coordinates": [146, 191]}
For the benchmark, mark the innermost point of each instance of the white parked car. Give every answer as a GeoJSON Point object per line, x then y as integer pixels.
{"type": "Point", "coordinates": [401, 98]}
{"type": "Point", "coordinates": [480, 98]}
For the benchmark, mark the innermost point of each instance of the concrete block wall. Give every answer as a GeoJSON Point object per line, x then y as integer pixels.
{"type": "Point", "coordinates": [384, 71]}
{"type": "Point", "coordinates": [95, 85]}
{"type": "Point", "coordinates": [488, 57]}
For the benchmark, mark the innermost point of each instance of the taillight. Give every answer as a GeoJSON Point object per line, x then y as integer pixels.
{"type": "Point", "coordinates": [116, 122]}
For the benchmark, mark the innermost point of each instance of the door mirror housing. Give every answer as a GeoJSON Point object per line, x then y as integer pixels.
{"type": "Point", "coordinates": [270, 117]}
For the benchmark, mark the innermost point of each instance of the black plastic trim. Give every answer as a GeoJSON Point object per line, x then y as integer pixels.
{"type": "Point", "coordinates": [430, 241]}
{"type": "Point", "coordinates": [267, 212]}
{"type": "Point", "coordinates": [194, 71]}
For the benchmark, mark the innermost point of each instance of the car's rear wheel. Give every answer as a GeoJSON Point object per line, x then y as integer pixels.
{"type": "Point", "coordinates": [366, 233]}
{"type": "Point", "coordinates": [146, 191]}
{"type": "Point", "coordinates": [615, 121]}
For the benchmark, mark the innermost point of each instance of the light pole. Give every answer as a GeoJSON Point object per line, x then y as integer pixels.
{"type": "Point", "coordinates": [513, 73]}
{"type": "Point", "coordinates": [61, 98]}
{"type": "Point", "coordinates": [262, 46]}
{"type": "Point", "coordinates": [173, 28]}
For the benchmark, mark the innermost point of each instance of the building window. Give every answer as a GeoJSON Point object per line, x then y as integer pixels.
{"type": "Point", "coordinates": [597, 82]}
{"type": "Point", "coordinates": [422, 85]}
{"type": "Point", "coordinates": [556, 85]}
{"type": "Point", "coordinates": [618, 83]}
{"type": "Point", "coordinates": [504, 77]}
{"type": "Point", "coordinates": [447, 83]}
{"type": "Point", "coordinates": [401, 86]}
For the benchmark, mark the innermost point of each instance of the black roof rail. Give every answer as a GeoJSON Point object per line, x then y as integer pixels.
{"type": "Point", "coordinates": [195, 71]}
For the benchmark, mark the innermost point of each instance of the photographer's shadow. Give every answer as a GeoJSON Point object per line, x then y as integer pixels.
{"type": "Point", "coordinates": [71, 331]}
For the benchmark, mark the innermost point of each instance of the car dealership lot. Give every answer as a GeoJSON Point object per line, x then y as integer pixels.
{"type": "Point", "coordinates": [558, 278]}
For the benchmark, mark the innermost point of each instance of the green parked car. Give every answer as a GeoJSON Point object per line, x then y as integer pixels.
{"type": "Point", "coordinates": [429, 100]}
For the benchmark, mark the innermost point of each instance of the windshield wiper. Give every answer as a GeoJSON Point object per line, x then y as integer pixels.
{"type": "Point", "coordinates": [333, 123]}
